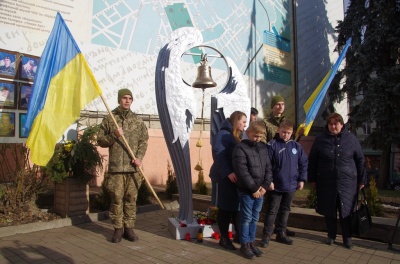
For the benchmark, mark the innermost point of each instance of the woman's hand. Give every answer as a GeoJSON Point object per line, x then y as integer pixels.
{"type": "Point", "coordinates": [232, 177]}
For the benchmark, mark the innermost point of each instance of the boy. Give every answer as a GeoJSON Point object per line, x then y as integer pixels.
{"type": "Point", "coordinates": [289, 170]}
{"type": "Point", "coordinates": [254, 176]}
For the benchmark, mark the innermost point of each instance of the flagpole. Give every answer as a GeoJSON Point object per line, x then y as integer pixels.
{"type": "Point", "coordinates": [131, 153]}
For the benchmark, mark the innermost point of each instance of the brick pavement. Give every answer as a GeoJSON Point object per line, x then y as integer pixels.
{"type": "Point", "coordinates": [90, 243]}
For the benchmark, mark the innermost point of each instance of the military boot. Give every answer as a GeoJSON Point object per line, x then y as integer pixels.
{"type": "Point", "coordinates": [117, 235]}
{"type": "Point", "coordinates": [130, 235]}
{"type": "Point", "coordinates": [282, 238]}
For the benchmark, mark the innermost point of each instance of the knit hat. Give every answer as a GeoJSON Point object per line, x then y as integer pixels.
{"type": "Point", "coordinates": [276, 99]}
{"type": "Point", "coordinates": [123, 92]}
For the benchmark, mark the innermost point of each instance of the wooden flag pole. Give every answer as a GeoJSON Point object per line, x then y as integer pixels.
{"type": "Point", "coordinates": [131, 153]}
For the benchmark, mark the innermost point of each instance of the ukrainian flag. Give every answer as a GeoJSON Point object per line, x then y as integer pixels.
{"type": "Point", "coordinates": [313, 103]}
{"type": "Point", "coordinates": [64, 84]}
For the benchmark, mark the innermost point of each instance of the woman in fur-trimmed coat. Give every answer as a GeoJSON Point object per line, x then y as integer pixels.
{"type": "Point", "coordinates": [336, 167]}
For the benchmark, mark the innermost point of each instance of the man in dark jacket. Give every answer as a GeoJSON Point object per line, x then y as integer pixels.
{"type": "Point", "coordinates": [336, 168]}
{"type": "Point", "coordinates": [123, 179]}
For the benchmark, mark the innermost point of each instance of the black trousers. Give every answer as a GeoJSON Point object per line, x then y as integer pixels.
{"type": "Point", "coordinates": [345, 223]}
{"type": "Point", "coordinates": [224, 219]}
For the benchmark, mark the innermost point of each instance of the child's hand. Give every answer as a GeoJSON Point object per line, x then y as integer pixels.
{"type": "Point", "coordinates": [262, 190]}
{"type": "Point", "coordinates": [271, 187]}
{"type": "Point", "coordinates": [257, 194]}
{"type": "Point", "coordinates": [300, 186]}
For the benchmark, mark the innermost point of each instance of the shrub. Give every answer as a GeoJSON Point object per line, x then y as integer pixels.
{"type": "Point", "coordinates": [22, 181]}
{"type": "Point", "coordinates": [312, 198]}
{"type": "Point", "coordinates": [172, 184]}
{"type": "Point", "coordinates": [374, 202]}
{"type": "Point", "coordinates": [200, 187]}
{"type": "Point", "coordinates": [143, 194]}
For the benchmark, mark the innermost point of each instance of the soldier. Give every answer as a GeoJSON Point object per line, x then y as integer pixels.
{"type": "Point", "coordinates": [7, 68]}
{"type": "Point", "coordinates": [123, 179]}
{"type": "Point", "coordinates": [275, 117]}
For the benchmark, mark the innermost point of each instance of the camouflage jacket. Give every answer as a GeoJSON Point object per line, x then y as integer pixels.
{"type": "Point", "coordinates": [136, 135]}
{"type": "Point", "coordinates": [271, 124]}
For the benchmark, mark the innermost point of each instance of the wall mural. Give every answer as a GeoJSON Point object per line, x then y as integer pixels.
{"type": "Point", "coordinates": [121, 41]}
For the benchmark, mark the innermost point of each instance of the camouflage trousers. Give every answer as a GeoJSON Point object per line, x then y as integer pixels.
{"type": "Point", "coordinates": [123, 189]}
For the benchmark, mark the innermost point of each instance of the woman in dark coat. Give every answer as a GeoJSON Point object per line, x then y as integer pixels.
{"type": "Point", "coordinates": [336, 167]}
{"type": "Point", "coordinates": [222, 173]}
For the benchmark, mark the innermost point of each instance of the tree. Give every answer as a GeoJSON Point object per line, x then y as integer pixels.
{"type": "Point", "coordinates": [372, 72]}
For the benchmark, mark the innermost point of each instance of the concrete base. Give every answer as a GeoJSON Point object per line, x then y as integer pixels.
{"type": "Point", "coordinates": [180, 232]}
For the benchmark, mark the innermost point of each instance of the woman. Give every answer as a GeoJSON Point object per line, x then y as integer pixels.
{"type": "Point", "coordinates": [222, 173]}
{"type": "Point", "coordinates": [336, 168]}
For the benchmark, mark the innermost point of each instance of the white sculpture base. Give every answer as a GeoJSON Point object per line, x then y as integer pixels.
{"type": "Point", "coordinates": [179, 232]}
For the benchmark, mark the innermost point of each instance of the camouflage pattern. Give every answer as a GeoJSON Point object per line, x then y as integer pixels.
{"type": "Point", "coordinates": [136, 135]}
{"type": "Point", "coordinates": [123, 189]}
{"type": "Point", "coordinates": [271, 124]}
{"type": "Point", "coordinates": [123, 180]}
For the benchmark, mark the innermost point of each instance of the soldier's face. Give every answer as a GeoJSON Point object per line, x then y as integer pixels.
{"type": "Point", "coordinates": [7, 62]}
{"type": "Point", "coordinates": [4, 93]}
{"type": "Point", "coordinates": [278, 108]}
{"type": "Point", "coordinates": [125, 102]}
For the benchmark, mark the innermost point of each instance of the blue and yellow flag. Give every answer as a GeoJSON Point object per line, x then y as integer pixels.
{"type": "Point", "coordinates": [313, 103]}
{"type": "Point", "coordinates": [64, 84]}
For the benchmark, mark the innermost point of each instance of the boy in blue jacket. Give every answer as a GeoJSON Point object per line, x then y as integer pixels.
{"type": "Point", "coordinates": [289, 170]}
{"type": "Point", "coordinates": [254, 176]}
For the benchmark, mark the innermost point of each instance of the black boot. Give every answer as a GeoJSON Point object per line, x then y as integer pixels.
{"type": "Point", "coordinates": [265, 240]}
{"type": "Point", "coordinates": [288, 232]}
{"type": "Point", "coordinates": [282, 238]}
{"type": "Point", "coordinates": [130, 235]}
{"type": "Point", "coordinates": [255, 249]}
{"type": "Point", "coordinates": [246, 251]}
{"type": "Point", "coordinates": [117, 235]}
{"type": "Point", "coordinates": [347, 243]}
{"type": "Point", "coordinates": [226, 243]}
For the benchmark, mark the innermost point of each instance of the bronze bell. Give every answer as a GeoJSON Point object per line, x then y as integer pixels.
{"type": "Point", "coordinates": [204, 79]}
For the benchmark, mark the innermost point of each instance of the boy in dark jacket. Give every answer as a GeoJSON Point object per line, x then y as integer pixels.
{"type": "Point", "coordinates": [253, 171]}
{"type": "Point", "coordinates": [289, 170]}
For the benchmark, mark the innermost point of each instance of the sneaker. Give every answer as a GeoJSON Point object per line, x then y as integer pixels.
{"type": "Point", "coordinates": [226, 243]}
{"type": "Point", "coordinates": [246, 251]}
{"type": "Point", "coordinates": [282, 238]}
{"type": "Point", "coordinates": [255, 249]}
{"type": "Point", "coordinates": [264, 240]}
{"type": "Point", "coordinates": [117, 235]}
{"type": "Point", "coordinates": [130, 235]}
{"type": "Point", "coordinates": [347, 243]}
{"type": "Point", "coordinates": [329, 241]}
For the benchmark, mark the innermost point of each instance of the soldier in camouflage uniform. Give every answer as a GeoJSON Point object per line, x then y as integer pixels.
{"type": "Point", "coordinates": [274, 118]}
{"type": "Point", "coordinates": [123, 179]}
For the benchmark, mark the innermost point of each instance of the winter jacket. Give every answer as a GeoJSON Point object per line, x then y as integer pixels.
{"type": "Point", "coordinates": [336, 165]}
{"type": "Point", "coordinates": [252, 166]}
{"type": "Point", "coordinates": [135, 133]}
{"type": "Point", "coordinates": [289, 164]}
{"type": "Point", "coordinates": [222, 147]}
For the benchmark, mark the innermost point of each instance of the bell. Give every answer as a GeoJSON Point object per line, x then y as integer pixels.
{"type": "Point", "coordinates": [204, 79]}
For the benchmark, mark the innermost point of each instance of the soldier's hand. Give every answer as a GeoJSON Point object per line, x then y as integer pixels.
{"type": "Point", "coordinates": [119, 132]}
{"type": "Point", "coordinates": [137, 162]}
